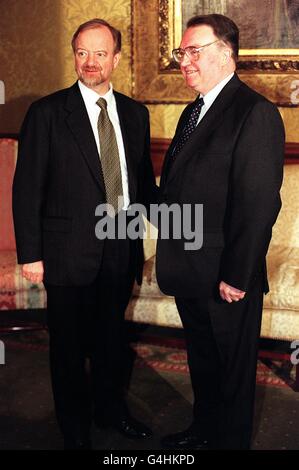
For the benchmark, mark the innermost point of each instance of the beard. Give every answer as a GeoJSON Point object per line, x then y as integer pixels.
{"type": "Point", "coordinates": [90, 81]}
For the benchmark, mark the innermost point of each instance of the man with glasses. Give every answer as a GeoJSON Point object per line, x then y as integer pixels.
{"type": "Point", "coordinates": [227, 154]}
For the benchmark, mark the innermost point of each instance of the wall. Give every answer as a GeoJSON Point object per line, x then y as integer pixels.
{"type": "Point", "coordinates": [36, 58]}
{"type": "Point", "coordinates": [30, 57]}
{"type": "Point", "coordinates": [165, 117]}
{"type": "Point", "coordinates": [35, 50]}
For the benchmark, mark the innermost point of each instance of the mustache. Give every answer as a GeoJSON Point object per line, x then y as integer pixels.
{"type": "Point", "coordinates": [91, 69]}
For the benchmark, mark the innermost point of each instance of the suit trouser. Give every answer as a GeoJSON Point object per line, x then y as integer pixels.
{"type": "Point", "coordinates": [222, 347]}
{"type": "Point", "coordinates": [88, 321]}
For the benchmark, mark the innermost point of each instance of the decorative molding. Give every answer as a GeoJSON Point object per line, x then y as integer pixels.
{"type": "Point", "coordinates": [9, 136]}
{"type": "Point", "coordinates": [254, 60]}
{"type": "Point", "coordinates": [157, 27]}
{"type": "Point", "coordinates": [164, 26]}
{"type": "Point", "coordinates": [132, 48]}
{"type": "Point", "coordinates": [269, 65]}
{"type": "Point", "coordinates": [292, 152]}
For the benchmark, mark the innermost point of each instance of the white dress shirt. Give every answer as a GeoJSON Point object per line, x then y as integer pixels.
{"type": "Point", "coordinates": [90, 98]}
{"type": "Point", "coordinates": [210, 97]}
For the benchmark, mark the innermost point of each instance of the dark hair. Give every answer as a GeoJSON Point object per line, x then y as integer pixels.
{"type": "Point", "coordinates": [97, 23]}
{"type": "Point", "coordinates": [223, 27]}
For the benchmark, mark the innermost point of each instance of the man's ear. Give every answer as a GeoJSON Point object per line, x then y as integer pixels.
{"type": "Point", "coordinates": [116, 59]}
{"type": "Point", "coordinates": [226, 56]}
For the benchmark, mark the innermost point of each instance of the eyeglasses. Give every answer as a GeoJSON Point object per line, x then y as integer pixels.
{"type": "Point", "coordinates": [192, 52]}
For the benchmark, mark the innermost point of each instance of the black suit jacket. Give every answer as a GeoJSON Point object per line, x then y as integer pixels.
{"type": "Point", "coordinates": [233, 165]}
{"type": "Point", "coordinates": [58, 183]}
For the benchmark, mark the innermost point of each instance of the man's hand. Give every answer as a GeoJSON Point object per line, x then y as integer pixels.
{"type": "Point", "coordinates": [33, 272]}
{"type": "Point", "coordinates": [229, 293]}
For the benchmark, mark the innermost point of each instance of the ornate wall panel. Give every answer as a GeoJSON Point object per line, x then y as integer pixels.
{"type": "Point", "coordinates": [30, 56]}
{"type": "Point", "coordinates": [157, 26]}
{"type": "Point", "coordinates": [164, 119]}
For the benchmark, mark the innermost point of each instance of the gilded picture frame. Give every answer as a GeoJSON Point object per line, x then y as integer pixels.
{"type": "Point", "coordinates": [157, 29]}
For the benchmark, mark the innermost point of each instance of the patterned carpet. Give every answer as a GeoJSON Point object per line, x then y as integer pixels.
{"type": "Point", "coordinates": [168, 355]}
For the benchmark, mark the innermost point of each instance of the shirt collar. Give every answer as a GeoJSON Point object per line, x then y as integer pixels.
{"type": "Point", "coordinates": [91, 97]}
{"type": "Point", "coordinates": [210, 97]}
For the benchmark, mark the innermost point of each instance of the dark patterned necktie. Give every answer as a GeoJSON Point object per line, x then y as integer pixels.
{"type": "Point", "coordinates": [109, 157]}
{"type": "Point", "coordinates": [189, 127]}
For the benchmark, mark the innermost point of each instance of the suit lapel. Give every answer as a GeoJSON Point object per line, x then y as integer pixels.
{"type": "Point", "coordinates": [209, 123]}
{"type": "Point", "coordinates": [79, 124]}
{"type": "Point", "coordinates": [168, 156]}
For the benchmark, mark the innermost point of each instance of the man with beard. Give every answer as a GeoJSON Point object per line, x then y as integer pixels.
{"type": "Point", "coordinates": [80, 147]}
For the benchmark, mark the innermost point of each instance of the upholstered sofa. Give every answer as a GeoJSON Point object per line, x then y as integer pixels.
{"type": "Point", "coordinates": [16, 293]}
{"type": "Point", "coordinates": [281, 306]}
{"type": "Point", "coordinates": [148, 304]}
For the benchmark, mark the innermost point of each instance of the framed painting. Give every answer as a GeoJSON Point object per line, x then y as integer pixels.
{"type": "Point", "coordinates": [269, 46]}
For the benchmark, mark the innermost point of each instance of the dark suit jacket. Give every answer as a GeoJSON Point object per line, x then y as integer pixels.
{"type": "Point", "coordinates": [58, 184]}
{"type": "Point", "coordinates": [233, 165]}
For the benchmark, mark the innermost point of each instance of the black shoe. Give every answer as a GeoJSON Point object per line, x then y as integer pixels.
{"type": "Point", "coordinates": [77, 443]}
{"type": "Point", "coordinates": [127, 426]}
{"type": "Point", "coordinates": [189, 439]}
{"type": "Point", "coordinates": [133, 429]}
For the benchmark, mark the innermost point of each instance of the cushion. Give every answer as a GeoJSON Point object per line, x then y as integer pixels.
{"type": "Point", "coordinates": [280, 324]}
{"type": "Point", "coordinates": [15, 291]}
{"type": "Point", "coordinates": [8, 156]}
{"type": "Point", "coordinates": [281, 305]}
{"type": "Point", "coordinates": [154, 311]}
{"type": "Point", "coordinates": [286, 228]}
{"type": "Point", "coordinates": [283, 273]}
